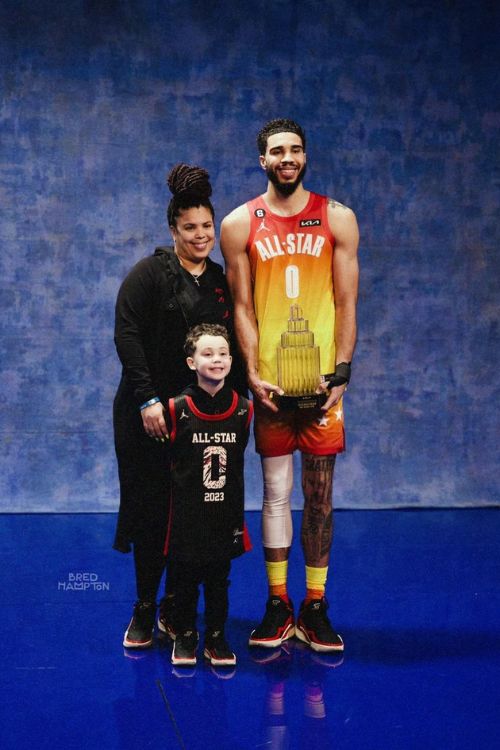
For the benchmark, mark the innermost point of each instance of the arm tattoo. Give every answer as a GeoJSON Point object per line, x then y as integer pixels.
{"type": "Point", "coordinates": [335, 204]}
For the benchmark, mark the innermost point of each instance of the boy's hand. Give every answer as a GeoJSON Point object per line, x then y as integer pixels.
{"type": "Point", "coordinates": [154, 423]}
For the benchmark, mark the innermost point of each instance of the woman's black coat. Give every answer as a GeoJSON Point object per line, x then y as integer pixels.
{"type": "Point", "coordinates": [157, 304]}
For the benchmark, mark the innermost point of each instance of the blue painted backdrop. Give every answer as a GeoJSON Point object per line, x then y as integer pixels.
{"type": "Point", "coordinates": [100, 98]}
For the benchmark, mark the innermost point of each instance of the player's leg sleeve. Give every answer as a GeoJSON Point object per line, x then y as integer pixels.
{"type": "Point", "coordinates": [277, 530]}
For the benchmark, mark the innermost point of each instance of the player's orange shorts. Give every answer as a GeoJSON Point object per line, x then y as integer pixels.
{"type": "Point", "coordinates": [309, 431]}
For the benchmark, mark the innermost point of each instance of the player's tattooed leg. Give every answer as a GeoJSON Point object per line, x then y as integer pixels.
{"type": "Point", "coordinates": [317, 518]}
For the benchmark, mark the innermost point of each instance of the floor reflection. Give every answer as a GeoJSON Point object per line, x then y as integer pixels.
{"type": "Point", "coordinates": [313, 669]}
{"type": "Point", "coordinates": [416, 597]}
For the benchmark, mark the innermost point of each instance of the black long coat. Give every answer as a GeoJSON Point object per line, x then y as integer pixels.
{"type": "Point", "coordinates": [157, 304]}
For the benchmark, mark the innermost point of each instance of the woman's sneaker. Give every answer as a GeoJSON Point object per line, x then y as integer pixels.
{"type": "Point", "coordinates": [166, 617]}
{"type": "Point", "coordinates": [277, 625]}
{"type": "Point", "coordinates": [217, 650]}
{"type": "Point", "coordinates": [139, 633]}
{"type": "Point", "coordinates": [314, 627]}
{"type": "Point", "coordinates": [184, 651]}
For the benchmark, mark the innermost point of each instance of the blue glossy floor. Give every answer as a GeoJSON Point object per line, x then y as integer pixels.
{"type": "Point", "coordinates": [415, 595]}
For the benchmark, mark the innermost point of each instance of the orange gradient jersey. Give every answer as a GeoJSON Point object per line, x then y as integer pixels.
{"type": "Point", "coordinates": [291, 260]}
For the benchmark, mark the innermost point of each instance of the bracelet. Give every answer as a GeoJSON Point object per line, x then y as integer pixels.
{"type": "Point", "coordinates": [342, 374]}
{"type": "Point", "coordinates": [151, 401]}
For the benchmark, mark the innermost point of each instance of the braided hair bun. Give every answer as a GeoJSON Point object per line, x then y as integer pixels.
{"type": "Point", "coordinates": [190, 187]}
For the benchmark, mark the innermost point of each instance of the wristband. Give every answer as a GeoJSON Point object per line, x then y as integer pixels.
{"type": "Point", "coordinates": [151, 401]}
{"type": "Point", "coordinates": [342, 374]}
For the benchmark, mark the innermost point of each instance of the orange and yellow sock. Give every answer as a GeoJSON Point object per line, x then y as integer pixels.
{"type": "Point", "coordinates": [277, 573]}
{"type": "Point", "coordinates": [315, 582]}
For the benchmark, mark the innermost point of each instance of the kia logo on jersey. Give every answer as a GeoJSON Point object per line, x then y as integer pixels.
{"type": "Point", "coordinates": [310, 223]}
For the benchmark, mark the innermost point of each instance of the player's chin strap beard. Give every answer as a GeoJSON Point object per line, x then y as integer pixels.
{"type": "Point", "coordinates": [287, 188]}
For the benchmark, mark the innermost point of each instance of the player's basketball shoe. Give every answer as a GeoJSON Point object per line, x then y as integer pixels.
{"type": "Point", "coordinates": [314, 627]}
{"type": "Point", "coordinates": [217, 650]}
{"type": "Point", "coordinates": [277, 625]}
{"type": "Point", "coordinates": [184, 651]}
{"type": "Point", "coordinates": [139, 633]}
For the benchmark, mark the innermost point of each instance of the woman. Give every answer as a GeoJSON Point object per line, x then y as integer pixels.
{"type": "Point", "coordinates": [160, 299]}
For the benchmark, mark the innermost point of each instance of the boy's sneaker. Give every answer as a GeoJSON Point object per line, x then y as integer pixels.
{"type": "Point", "coordinates": [166, 616]}
{"type": "Point", "coordinates": [139, 633]}
{"type": "Point", "coordinates": [314, 627]}
{"type": "Point", "coordinates": [217, 650]}
{"type": "Point", "coordinates": [277, 625]}
{"type": "Point", "coordinates": [184, 651]}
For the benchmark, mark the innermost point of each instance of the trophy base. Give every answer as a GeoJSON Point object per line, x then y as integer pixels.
{"type": "Point", "coordinates": [311, 401]}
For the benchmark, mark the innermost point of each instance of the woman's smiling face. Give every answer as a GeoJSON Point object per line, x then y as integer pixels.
{"type": "Point", "coordinates": [194, 234]}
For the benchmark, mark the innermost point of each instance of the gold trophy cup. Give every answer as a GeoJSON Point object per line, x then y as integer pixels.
{"type": "Point", "coordinates": [299, 365]}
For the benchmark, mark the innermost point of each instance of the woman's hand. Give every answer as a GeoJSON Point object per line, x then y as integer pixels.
{"type": "Point", "coordinates": [154, 421]}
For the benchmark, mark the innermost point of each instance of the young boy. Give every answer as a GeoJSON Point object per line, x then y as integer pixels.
{"type": "Point", "coordinates": [208, 427]}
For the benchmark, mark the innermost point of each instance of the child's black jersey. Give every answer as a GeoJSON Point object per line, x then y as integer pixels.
{"type": "Point", "coordinates": [207, 487]}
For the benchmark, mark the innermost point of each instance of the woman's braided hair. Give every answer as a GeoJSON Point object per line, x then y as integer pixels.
{"type": "Point", "coordinates": [190, 188]}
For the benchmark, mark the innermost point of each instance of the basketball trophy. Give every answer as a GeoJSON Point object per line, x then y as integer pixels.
{"type": "Point", "coordinates": [299, 365]}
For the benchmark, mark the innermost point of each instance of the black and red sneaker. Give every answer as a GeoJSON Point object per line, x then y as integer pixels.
{"type": "Point", "coordinates": [184, 651]}
{"type": "Point", "coordinates": [166, 617]}
{"type": "Point", "coordinates": [139, 633]}
{"type": "Point", "coordinates": [277, 625]}
{"type": "Point", "coordinates": [217, 650]}
{"type": "Point", "coordinates": [314, 628]}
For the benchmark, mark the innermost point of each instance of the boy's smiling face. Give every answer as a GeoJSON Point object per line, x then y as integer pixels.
{"type": "Point", "coordinates": [211, 359]}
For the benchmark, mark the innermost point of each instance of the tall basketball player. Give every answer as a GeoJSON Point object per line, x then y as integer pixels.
{"type": "Point", "coordinates": [291, 262]}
